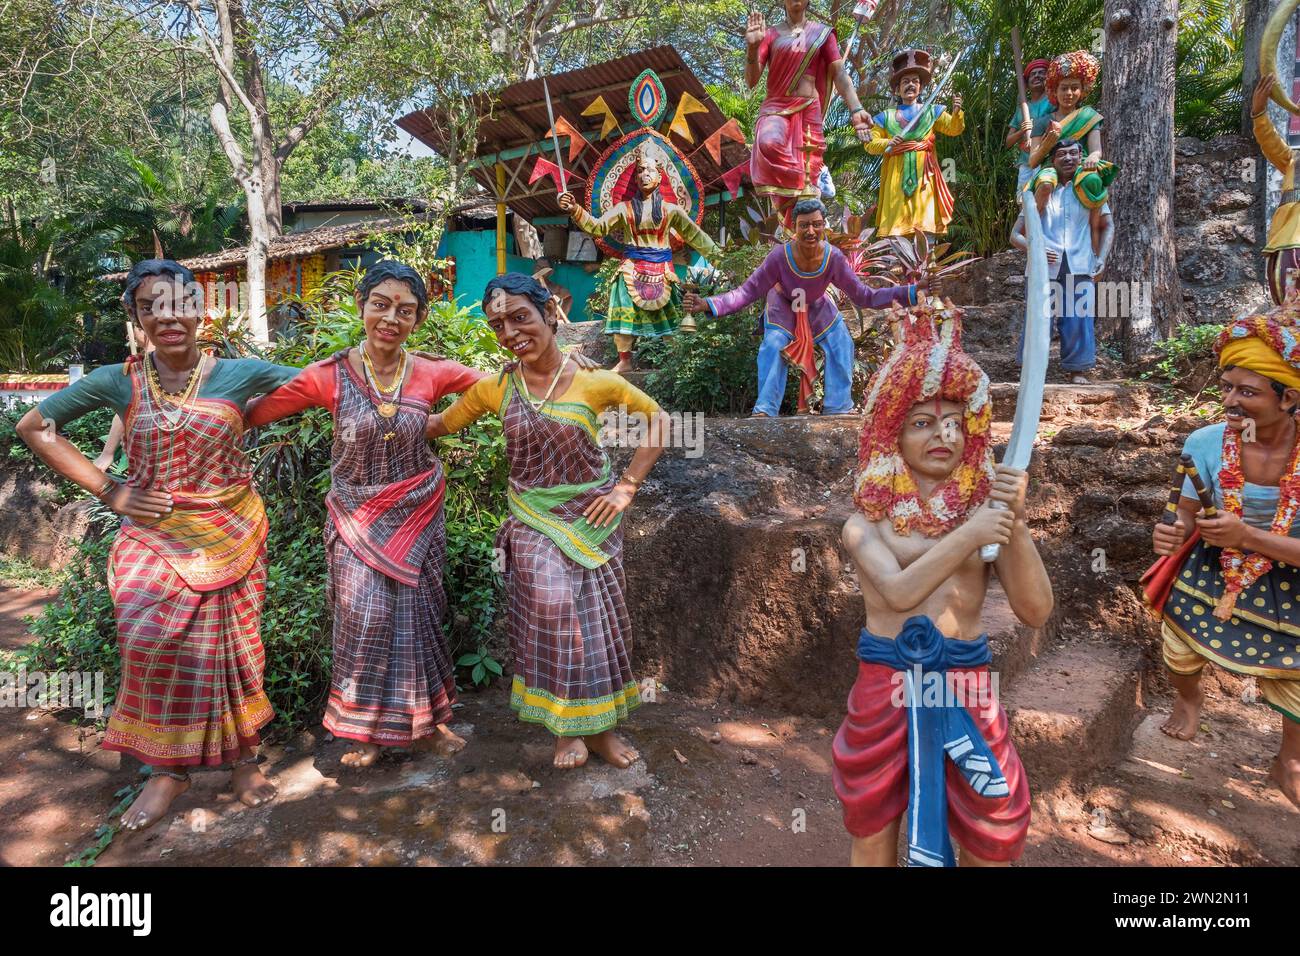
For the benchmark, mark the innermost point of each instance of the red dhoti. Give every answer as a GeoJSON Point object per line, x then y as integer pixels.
{"type": "Point", "coordinates": [871, 772]}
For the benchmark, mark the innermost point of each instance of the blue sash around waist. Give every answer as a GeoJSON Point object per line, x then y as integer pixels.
{"type": "Point", "coordinates": [935, 730]}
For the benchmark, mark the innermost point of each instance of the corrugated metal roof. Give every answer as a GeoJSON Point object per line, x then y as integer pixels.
{"type": "Point", "coordinates": [294, 245]}
{"type": "Point", "coordinates": [516, 116]}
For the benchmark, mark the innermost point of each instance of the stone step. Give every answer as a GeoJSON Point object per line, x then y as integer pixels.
{"type": "Point", "coordinates": [1074, 711]}
{"type": "Point", "coordinates": [1108, 401]}
{"type": "Point", "coordinates": [637, 377]}
{"type": "Point", "coordinates": [1014, 645]}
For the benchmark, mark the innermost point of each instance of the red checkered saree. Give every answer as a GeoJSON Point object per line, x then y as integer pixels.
{"type": "Point", "coordinates": [392, 679]}
{"type": "Point", "coordinates": [187, 590]}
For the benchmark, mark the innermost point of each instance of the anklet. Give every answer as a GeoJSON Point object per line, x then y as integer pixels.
{"type": "Point", "coordinates": [174, 774]}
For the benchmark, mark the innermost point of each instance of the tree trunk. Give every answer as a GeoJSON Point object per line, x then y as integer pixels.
{"type": "Point", "coordinates": [264, 143]}
{"type": "Point", "coordinates": [1138, 101]}
{"type": "Point", "coordinates": [1256, 17]}
{"type": "Point", "coordinates": [259, 241]}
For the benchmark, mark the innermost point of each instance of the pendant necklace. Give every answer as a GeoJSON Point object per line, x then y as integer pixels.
{"type": "Point", "coordinates": [537, 405]}
{"type": "Point", "coordinates": [172, 405]}
{"type": "Point", "coordinates": [390, 397]}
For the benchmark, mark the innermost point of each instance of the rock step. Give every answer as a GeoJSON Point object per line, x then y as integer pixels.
{"type": "Point", "coordinates": [1014, 645]}
{"type": "Point", "coordinates": [1105, 400]}
{"type": "Point", "coordinates": [1074, 711]}
{"type": "Point", "coordinates": [637, 377]}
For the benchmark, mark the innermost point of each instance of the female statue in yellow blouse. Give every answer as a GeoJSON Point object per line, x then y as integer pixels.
{"type": "Point", "coordinates": [913, 196]}
{"type": "Point", "coordinates": [1282, 251]}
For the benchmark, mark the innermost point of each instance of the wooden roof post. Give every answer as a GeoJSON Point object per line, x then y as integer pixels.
{"type": "Point", "coordinates": [501, 219]}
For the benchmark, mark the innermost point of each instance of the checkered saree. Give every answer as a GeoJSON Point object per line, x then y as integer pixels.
{"type": "Point", "coordinates": [568, 622]}
{"type": "Point", "coordinates": [187, 590]}
{"type": "Point", "coordinates": [392, 679]}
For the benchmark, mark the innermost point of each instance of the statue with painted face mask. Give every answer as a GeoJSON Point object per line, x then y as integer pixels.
{"type": "Point", "coordinates": [645, 299]}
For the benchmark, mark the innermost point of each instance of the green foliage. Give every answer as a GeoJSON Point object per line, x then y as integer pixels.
{"type": "Point", "coordinates": [483, 666]}
{"type": "Point", "coordinates": [40, 325]}
{"type": "Point", "coordinates": [77, 631]}
{"type": "Point", "coordinates": [1208, 68]}
{"type": "Point", "coordinates": [1189, 346]}
{"type": "Point", "coordinates": [87, 433]}
{"type": "Point", "coordinates": [21, 573]}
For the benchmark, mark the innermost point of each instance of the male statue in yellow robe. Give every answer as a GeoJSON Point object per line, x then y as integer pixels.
{"type": "Point", "coordinates": [913, 196]}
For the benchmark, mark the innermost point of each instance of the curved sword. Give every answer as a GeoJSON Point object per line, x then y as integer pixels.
{"type": "Point", "coordinates": [1038, 343]}
{"type": "Point", "coordinates": [936, 90]}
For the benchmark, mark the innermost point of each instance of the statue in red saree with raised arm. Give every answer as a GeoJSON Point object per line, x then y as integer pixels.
{"type": "Point", "coordinates": [803, 60]}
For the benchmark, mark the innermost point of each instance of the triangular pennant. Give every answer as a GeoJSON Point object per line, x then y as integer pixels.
{"type": "Point", "coordinates": [731, 130]}
{"type": "Point", "coordinates": [577, 141]}
{"type": "Point", "coordinates": [685, 106]}
{"type": "Point", "coordinates": [544, 167]}
{"type": "Point", "coordinates": [714, 145]}
{"type": "Point", "coordinates": [731, 178]}
{"type": "Point", "coordinates": [598, 107]}
{"type": "Point", "coordinates": [744, 229]}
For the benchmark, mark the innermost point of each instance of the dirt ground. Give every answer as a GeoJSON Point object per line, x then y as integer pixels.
{"type": "Point", "coordinates": [718, 784]}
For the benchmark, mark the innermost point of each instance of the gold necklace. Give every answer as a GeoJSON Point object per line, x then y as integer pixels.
{"type": "Point", "coordinates": [182, 395]}
{"type": "Point", "coordinates": [555, 381]}
{"type": "Point", "coordinates": [387, 407]}
{"type": "Point", "coordinates": [172, 405]}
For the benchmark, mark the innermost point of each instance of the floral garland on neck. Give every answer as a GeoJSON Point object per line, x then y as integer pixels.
{"type": "Point", "coordinates": [1240, 570]}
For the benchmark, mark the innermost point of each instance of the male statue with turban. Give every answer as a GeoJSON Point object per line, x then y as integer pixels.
{"type": "Point", "coordinates": [1227, 587]}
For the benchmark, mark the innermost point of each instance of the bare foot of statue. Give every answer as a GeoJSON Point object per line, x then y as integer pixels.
{"type": "Point", "coordinates": [446, 743]}
{"type": "Point", "coordinates": [251, 787]}
{"type": "Point", "coordinates": [1286, 768]}
{"type": "Point", "coordinates": [154, 801]}
{"type": "Point", "coordinates": [1286, 774]}
{"type": "Point", "coordinates": [570, 752]}
{"type": "Point", "coordinates": [1186, 718]}
{"type": "Point", "coordinates": [361, 755]}
{"type": "Point", "coordinates": [612, 749]}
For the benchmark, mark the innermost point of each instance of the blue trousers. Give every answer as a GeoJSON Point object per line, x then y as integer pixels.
{"type": "Point", "coordinates": [837, 351]}
{"type": "Point", "coordinates": [1074, 303]}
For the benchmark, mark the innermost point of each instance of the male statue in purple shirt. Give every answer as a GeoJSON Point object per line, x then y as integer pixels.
{"type": "Point", "coordinates": [799, 315]}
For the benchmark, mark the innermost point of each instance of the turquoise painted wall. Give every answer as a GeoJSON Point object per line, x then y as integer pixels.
{"type": "Point", "coordinates": [476, 263]}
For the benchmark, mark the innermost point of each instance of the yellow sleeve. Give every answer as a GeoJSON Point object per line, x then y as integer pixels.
{"type": "Point", "coordinates": [879, 141]}
{"type": "Point", "coordinates": [695, 237]}
{"type": "Point", "coordinates": [476, 401]}
{"type": "Point", "coordinates": [604, 390]}
{"type": "Point", "coordinates": [1275, 149]}
{"type": "Point", "coordinates": [612, 221]}
{"type": "Point", "coordinates": [950, 124]}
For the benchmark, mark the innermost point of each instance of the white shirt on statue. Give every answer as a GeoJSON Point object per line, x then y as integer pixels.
{"type": "Point", "coordinates": [1066, 231]}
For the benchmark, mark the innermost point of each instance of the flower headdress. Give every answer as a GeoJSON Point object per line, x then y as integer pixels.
{"type": "Point", "coordinates": [1080, 64]}
{"type": "Point", "coordinates": [928, 364]}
